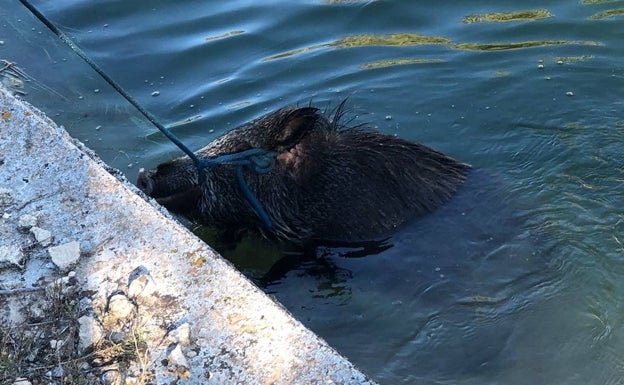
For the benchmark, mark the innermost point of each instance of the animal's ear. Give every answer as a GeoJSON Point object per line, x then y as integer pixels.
{"type": "Point", "coordinates": [295, 125]}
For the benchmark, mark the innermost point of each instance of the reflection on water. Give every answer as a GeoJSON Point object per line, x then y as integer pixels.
{"type": "Point", "coordinates": [518, 280]}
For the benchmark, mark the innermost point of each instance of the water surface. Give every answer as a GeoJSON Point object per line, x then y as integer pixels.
{"type": "Point", "coordinates": [517, 280]}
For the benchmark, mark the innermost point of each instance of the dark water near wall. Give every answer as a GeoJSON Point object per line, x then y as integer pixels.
{"type": "Point", "coordinates": [518, 280]}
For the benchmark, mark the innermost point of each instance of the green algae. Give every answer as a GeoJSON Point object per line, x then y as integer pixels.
{"type": "Point", "coordinates": [519, 45]}
{"type": "Point", "coordinates": [402, 40]}
{"type": "Point", "coordinates": [607, 14]}
{"type": "Point", "coordinates": [586, 2]}
{"type": "Point", "coordinates": [224, 35]}
{"type": "Point", "coordinates": [397, 62]}
{"type": "Point", "coordinates": [506, 17]}
{"type": "Point", "coordinates": [392, 40]}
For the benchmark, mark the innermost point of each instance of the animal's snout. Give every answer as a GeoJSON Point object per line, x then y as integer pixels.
{"type": "Point", "coordinates": [144, 181]}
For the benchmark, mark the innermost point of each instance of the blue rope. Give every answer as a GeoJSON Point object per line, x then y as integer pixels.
{"type": "Point", "coordinates": [259, 160]}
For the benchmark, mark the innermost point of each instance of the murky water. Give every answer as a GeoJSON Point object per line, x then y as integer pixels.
{"type": "Point", "coordinates": [518, 280]}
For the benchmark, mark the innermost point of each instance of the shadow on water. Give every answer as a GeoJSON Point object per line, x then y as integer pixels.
{"type": "Point", "coordinates": [447, 285]}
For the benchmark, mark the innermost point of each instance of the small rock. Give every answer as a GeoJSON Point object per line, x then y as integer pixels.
{"type": "Point", "coordinates": [111, 377]}
{"type": "Point", "coordinates": [117, 337]}
{"type": "Point", "coordinates": [177, 363]}
{"type": "Point", "coordinates": [42, 236]}
{"type": "Point", "coordinates": [570, 93]}
{"type": "Point", "coordinates": [37, 310]}
{"type": "Point", "coordinates": [60, 286]}
{"type": "Point", "coordinates": [55, 373]}
{"type": "Point", "coordinates": [90, 332]}
{"type": "Point", "coordinates": [141, 283]}
{"type": "Point", "coordinates": [120, 307]}
{"type": "Point", "coordinates": [11, 255]}
{"type": "Point", "coordinates": [26, 222]}
{"type": "Point", "coordinates": [181, 334]}
{"type": "Point", "coordinates": [21, 381]}
{"type": "Point", "coordinates": [6, 197]}
{"type": "Point", "coordinates": [155, 93]}
{"type": "Point", "coordinates": [65, 255]}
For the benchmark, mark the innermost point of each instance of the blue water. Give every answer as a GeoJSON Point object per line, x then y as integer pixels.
{"type": "Point", "coordinates": [516, 281]}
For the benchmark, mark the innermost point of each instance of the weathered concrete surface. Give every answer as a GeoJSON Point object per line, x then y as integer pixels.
{"type": "Point", "coordinates": [200, 317]}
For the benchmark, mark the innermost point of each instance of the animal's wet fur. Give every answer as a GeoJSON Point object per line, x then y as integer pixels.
{"type": "Point", "coordinates": [330, 182]}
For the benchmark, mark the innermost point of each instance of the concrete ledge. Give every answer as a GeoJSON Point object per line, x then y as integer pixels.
{"type": "Point", "coordinates": [202, 321]}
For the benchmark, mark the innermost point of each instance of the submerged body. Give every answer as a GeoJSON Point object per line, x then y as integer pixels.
{"type": "Point", "coordinates": [329, 182]}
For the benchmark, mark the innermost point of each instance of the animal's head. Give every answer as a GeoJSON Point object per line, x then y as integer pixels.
{"type": "Point", "coordinates": [175, 184]}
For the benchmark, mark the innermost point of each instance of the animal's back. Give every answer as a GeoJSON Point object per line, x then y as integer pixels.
{"type": "Point", "coordinates": [368, 183]}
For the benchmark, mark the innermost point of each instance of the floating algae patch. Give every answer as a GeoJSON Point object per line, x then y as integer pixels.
{"type": "Point", "coordinates": [369, 40]}
{"type": "Point", "coordinates": [505, 17]}
{"type": "Point", "coordinates": [572, 59]}
{"type": "Point", "coordinates": [607, 14]}
{"type": "Point", "coordinates": [224, 35]}
{"type": "Point", "coordinates": [398, 62]}
{"type": "Point", "coordinates": [414, 39]}
{"type": "Point", "coordinates": [295, 52]}
{"type": "Point", "coordinates": [393, 40]}
{"type": "Point", "coordinates": [348, 1]}
{"type": "Point", "coordinates": [597, 1]}
{"type": "Point", "coordinates": [518, 45]}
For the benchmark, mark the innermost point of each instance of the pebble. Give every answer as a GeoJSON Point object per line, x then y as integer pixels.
{"type": "Point", "coordinates": [37, 310]}
{"type": "Point", "coordinates": [177, 363]}
{"type": "Point", "coordinates": [120, 307]}
{"type": "Point", "coordinates": [11, 255]}
{"type": "Point", "coordinates": [155, 93]}
{"type": "Point", "coordinates": [540, 66]}
{"type": "Point", "coordinates": [570, 93]}
{"type": "Point", "coordinates": [42, 236]}
{"type": "Point", "coordinates": [65, 255]}
{"type": "Point", "coordinates": [181, 334]}
{"type": "Point", "coordinates": [21, 381]}
{"type": "Point", "coordinates": [111, 377]}
{"type": "Point", "coordinates": [63, 284]}
{"type": "Point", "coordinates": [141, 283]}
{"type": "Point", "coordinates": [57, 372]}
{"type": "Point", "coordinates": [6, 197]}
{"type": "Point", "coordinates": [26, 221]}
{"type": "Point", "coordinates": [90, 332]}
